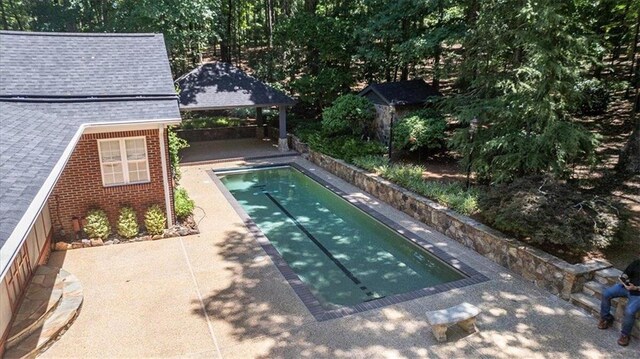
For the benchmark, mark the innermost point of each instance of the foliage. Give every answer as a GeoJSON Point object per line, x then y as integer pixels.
{"type": "Point", "coordinates": [97, 224]}
{"type": "Point", "coordinates": [211, 122]}
{"type": "Point", "coordinates": [521, 87]}
{"type": "Point", "coordinates": [344, 147]}
{"type": "Point", "coordinates": [594, 97]}
{"type": "Point", "coordinates": [154, 220]}
{"type": "Point", "coordinates": [453, 195]}
{"type": "Point", "coordinates": [127, 225]}
{"type": "Point", "coordinates": [419, 130]}
{"type": "Point", "coordinates": [184, 205]}
{"type": "Point", "coordinates": [546, 211]}
{"type": "Point", "coordinates": [349, 114]}
{"type": "Point", "coordinates": [175, 145]}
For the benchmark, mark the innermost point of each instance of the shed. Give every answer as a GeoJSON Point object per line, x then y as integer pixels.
{"type": "Point", "coordinates": [221, 86]}
{"type": "Point", "coordinates": [393, 100]}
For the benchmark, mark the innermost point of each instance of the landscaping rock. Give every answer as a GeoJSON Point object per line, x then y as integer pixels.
{"type": "Point", "coordinates": [109, 242]}
{"type": "Point", "coordinates": [62, 246]}
{"type": "Point", "coordinates": [156, 237]}
{"type": "Point", "coordinates": [116, 241]}
{"type": "Point", "coordinates": [96, 242]}
{"type": "Point", "coordinates": [76, 244]}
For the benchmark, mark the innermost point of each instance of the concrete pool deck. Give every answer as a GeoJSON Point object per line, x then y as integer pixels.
{"type": "Point", "coordinates": [217, 294]}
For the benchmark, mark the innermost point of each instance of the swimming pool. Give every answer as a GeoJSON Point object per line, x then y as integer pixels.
{"type": "Point", "coordinates": [345, 256]}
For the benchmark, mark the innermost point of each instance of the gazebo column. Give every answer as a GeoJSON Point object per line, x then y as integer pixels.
{"type": "Point", "coordinates": [283, 144]}
{"type": "Point", "coordinates": [259, 123]}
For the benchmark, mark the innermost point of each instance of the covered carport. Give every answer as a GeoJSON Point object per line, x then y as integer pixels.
{"type": "Point", "coordinates": [222, 86]}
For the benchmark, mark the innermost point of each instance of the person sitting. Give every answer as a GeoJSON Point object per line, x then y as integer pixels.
{"type": "Point", "coordinates": [629, 287]}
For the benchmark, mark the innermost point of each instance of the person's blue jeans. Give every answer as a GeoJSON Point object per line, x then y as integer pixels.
{"type": "Point", "coordinates": [633, 306]}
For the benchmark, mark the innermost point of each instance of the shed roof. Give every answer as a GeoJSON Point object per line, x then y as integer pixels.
{"type": "Point", "coordinates": [52, 85]}
{"type": "Point", "coordinates": [220, 85]}
{"type": "Point", "coordinates": [402, 93]}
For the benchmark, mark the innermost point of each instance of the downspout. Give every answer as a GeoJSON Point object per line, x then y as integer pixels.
{"type": "Point", "coordinates": [165, 177]}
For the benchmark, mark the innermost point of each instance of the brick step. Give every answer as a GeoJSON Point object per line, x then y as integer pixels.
{"type": "Point", "coordinates": [41, 298]}
{"type": "Point", "coordinates": [55, 323]}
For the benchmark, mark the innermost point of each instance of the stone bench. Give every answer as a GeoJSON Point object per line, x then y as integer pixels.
{"type": "Point", "coordinates": [462, 314]}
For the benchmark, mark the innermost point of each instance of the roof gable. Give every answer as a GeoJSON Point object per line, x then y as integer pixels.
{"type": "Point", "coordinates": [402, 93]}
{"type": "Point", "coordinates": [220, 85]}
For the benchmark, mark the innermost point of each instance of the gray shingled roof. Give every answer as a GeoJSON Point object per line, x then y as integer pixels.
{"type": "Point", "coordinates": [412, 92]}
{"type": "Point", "coordinates": [62, 64]}
{"type": "Point", "coordinates": [52, 84]}
{"type": "Point", "coordinates": [219, 85]}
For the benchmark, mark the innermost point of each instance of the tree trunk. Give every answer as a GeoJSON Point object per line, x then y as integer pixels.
{"type": "Point", "coordinates": [269, 18]}
{"type": "Point", "coordinates": [629, 161]}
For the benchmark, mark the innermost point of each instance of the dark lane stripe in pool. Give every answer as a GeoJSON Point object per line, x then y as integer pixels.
{"type": "Point", "coordinates": [324, 250]}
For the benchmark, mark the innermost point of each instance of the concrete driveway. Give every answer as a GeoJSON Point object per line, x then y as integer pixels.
{"type": "Point", "coordinates": [217, 295]}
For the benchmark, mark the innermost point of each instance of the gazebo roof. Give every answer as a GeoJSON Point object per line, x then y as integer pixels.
{"type": "Point", "coordinates": [220, 85]}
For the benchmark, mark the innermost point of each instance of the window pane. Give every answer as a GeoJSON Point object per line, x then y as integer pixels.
{"type": "Point", "coordinates": [138, 171]}
{"type": "Point", "coordinates": [135, 149]}
{"type": "Point", "coordinates": [113, 173]}
{"type": "Point", "coordinates": [110, 151]}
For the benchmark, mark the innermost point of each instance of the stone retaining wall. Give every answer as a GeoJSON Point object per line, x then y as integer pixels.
{"type": "Point", "coordinates": [221, 133]}
{"type": "Point", "coordinates": [541, 268]}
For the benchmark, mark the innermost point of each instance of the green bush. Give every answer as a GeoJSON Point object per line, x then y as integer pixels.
{"type": "Point", "coordinates": [155, 220]}
{"type": "Point", "coordinates": [423, 129]}
{"type": "Point", "coordinates": [97, 224]}
{"type": "Point", "coordinates": [211, 122]}
{"type": "Point", "coordinates": [127, 225]}
{"type": "Point", "coordinates": [344, 147]}
{"type": "Point", "coordinates": [453, 195]}
{"type": "Point", "coordinates": [175, 145]}
{"type": "Point", "coordinates": [349, 114]}
{"type": "Point", "coordinates": [594, 97]}
{"type": "Point", "coordinates": [184, 204]}
{"type": "Point", "coordinates": [550, 212]}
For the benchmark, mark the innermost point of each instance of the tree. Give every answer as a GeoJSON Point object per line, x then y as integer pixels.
{"type": "Point", "coordinates": [522, 62]}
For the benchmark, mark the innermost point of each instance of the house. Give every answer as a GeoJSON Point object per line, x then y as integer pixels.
{"type": "Point", "coordinates": [394, 100]}
{"type": "Point", "coordinates": [222, 86]}
{"type": "Point", "coordinates": [84, 120]}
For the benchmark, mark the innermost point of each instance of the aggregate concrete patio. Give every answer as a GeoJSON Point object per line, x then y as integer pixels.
{"type": "Point", "coordinates": [218, 295]}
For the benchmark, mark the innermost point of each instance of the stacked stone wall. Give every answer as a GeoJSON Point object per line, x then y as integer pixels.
{"type": "Point", "coordinates": [545, 270]}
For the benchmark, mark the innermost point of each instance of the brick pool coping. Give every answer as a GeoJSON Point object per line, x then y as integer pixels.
{"type": "Point", "coordinates": [543, 269]}
{"type": "Point", "coordinates": [302, 290]}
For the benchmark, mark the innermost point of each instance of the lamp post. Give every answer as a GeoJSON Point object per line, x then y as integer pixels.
{"type": "Point", "coordinates": [473, 129]}
{"type": "Point", "coordinates": [393, 115]}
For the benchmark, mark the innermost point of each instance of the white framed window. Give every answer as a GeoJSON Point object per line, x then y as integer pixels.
{"type": "Point", "coordinates": [123, 161]}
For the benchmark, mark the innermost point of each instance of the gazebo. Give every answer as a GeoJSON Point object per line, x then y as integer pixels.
{"type": "Point", "coordinates": [222, 86]}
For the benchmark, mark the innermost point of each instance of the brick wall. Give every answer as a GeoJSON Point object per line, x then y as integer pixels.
{"type": "Point", "coordinates": [80, 185]}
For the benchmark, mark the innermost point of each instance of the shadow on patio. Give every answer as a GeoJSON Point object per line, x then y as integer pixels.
{"type": "Point", "coordinates": [518, 320]}
{"type": "Point", "coordinates": [229, 150]}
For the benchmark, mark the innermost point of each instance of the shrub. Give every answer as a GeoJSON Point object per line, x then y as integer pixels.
{"type": "Point", "coordinates": [453, 195]}
{"type": "Point", "coordinates": [344, 147]}
{"type": "Point", "coordinates": [155, 220]}
{"type": "Point", "coordinates": [550, 212]}
{"type": "Point", "coordinates": [594, 97]}
{"type": "Point", "coordinates": [184, 205]}
{"type": "Point", "coordinates": [349, 114]}
{"type": "Point", "coordinates": [419, 130]}
{"type": "Point", "coordinates": [175, 145]}
{"type": "Point", "coordinates": [127, 225]}
{"type": "Point", "coordinates": [97, 224]}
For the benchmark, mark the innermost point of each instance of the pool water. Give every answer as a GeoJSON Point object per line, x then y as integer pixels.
{"type": "Point", "coordinates": [343, 255]}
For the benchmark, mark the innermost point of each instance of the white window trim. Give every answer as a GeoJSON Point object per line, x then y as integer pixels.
{"type": "Point", "coordinates": [123, 160]}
